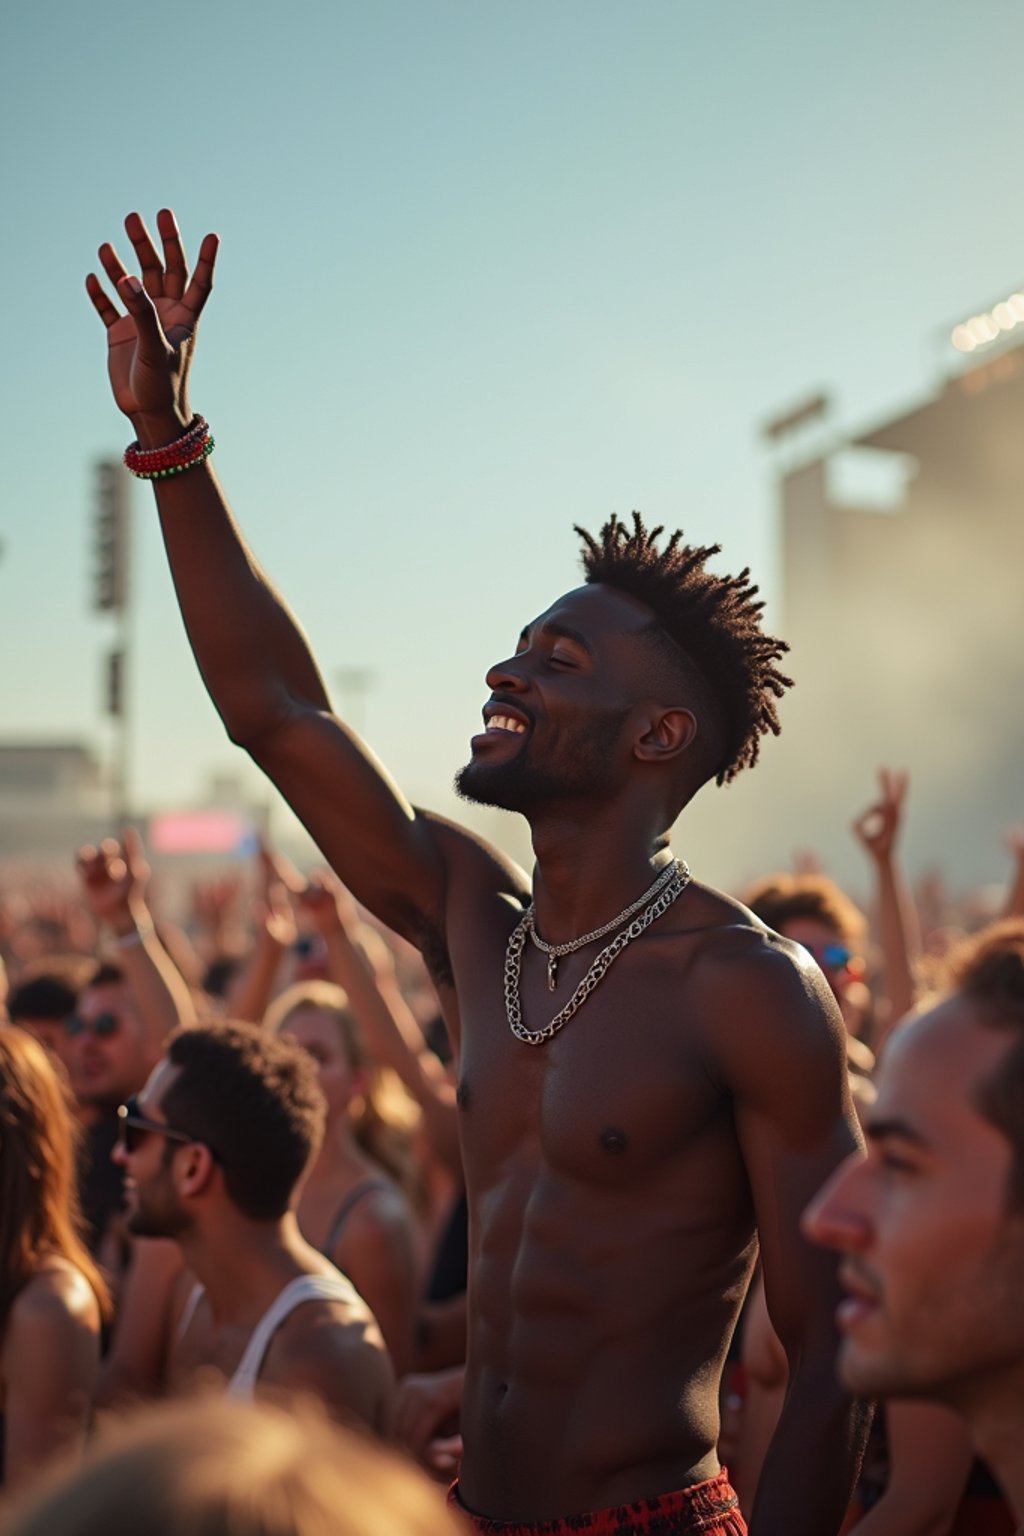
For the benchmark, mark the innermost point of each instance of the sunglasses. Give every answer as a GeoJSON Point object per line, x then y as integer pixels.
{"type": "Point", "coordinates": [833, 957]}
{"type": "Point", "coordinates": [133, 1125]}
{"type": "Point", "coordinates": [103, 1026]}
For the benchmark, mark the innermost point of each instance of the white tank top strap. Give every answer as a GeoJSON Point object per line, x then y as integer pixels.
{"type": "Point", "coordinates": [188, 1311]}
{"type": "Point", "coordinates": [336, 1287]}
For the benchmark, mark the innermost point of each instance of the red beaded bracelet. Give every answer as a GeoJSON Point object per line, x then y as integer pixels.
{"type": "Point", "coordinates": [185, 452]}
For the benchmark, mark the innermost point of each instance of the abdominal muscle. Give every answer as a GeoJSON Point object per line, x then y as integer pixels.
{"type": "Point", "coordinates": [599, 1321]}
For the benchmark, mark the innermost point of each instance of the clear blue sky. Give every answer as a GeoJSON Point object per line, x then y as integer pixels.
{"type": "Point", "coordinates": [487, 269]}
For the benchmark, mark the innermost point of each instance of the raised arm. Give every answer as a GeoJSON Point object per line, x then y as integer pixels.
{"type": "Point", "coordinates": [1015, 894]}
{"type": "Point", "coordinates": [878, 829]}
{"type": "Point", "coordinates": [361, 963]}
{"type": "Point", "coordinates": [253, 656]}
{"type": "Point", "coordinates": [114, 878]}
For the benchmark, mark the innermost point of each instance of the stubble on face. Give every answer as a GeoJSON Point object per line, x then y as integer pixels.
{"type": "Point", "coordinates": [580, 765]}
{"type": "Point", "coordinates": [946, 1263]}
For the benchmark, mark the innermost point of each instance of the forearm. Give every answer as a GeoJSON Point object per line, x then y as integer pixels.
{"type": "Point", "coordinates": [158, 987]}
{"type": "Point", "coordinates": [900, 941]}
{"type": "Point", "coordinates": [811, 1466]}
{"type": "Point", "coordinates": [251, 652]}
{"type": "Point", "coordinates": [1015, 896]}
{"type": "Point", "coordinates": [252, 988]}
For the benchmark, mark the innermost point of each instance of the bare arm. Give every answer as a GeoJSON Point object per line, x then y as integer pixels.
{"type": "Point", "coordinates": [377, 1253]}
{"type": "Point", "coordinates": [767, 1374]}
{"type": "Point", "coordinates": [345, 1366]}
{"type": "Point", "coordinates": [929, 1462]}
{"type": "Point", "coordinates": [878, 830]}
{"type": "Point", "coordinates": [114, 880]}
{"type": "Point", "coordinates": [252, 988]}
{"type": "Point", "coordinates": [49, 1363]}
{"type": "Point", "coordinates": [1015, 895]}
{"type": "Point", "coordinates": [427, 1418]}
{"type": "Point", "coordinates": [253, 656]}
{"type": "Point", "coordinates": [135, 1365]}
{"type": "Point", "coordinates": [782, 1045]}
{"type": "Point", "coordinates": [361, 963]}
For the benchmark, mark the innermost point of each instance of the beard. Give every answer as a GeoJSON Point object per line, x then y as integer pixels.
{"type": "Point", "coordinates": [156, 1217]}
{"type": "Point", "coordinates": [582, 766]}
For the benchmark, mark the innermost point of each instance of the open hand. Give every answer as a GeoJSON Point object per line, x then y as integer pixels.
{"type": "Point", "coordinates": [114, 878]}
{"type": "Point", "coordinates": [878, 827]}
{"type": "Point", "coordinates": [151, 347]}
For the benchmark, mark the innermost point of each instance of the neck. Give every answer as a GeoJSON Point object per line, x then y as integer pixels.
{"type": "Point", "coordinates": [997, 1432]}
{"type": "Point", "coordinates": [340, 1157]}
{"type": "Point", "coordinates": [243, 1264]}
{"type": "Point", "coordinates": [583, 876]}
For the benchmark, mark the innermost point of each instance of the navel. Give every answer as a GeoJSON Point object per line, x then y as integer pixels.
{"type": "Point", "coordinates": [613, 1140]}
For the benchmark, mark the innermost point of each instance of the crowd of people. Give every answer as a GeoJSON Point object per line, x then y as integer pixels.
{"type": "Point", "coordinates": [335, 1172]}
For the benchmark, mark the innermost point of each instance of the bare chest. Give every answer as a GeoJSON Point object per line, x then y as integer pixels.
{"type": "Point", "coordinates": [621, 1087]}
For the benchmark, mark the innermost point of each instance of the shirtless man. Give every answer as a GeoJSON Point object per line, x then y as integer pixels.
{"type": "Point", "coordinates": [619, 1168]}
{"type": "Point", "coordinates": [213, 1151]}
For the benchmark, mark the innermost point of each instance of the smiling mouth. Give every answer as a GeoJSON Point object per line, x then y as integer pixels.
{"type": "Point", "coordinates": [505, 723]}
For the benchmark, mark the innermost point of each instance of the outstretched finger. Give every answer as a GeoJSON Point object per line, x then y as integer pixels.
{"type": "Point", "coordinates": [113, 266]}
{"type": "Point", "coordinates": [200, 287]}
{"type": "Point", "coordinates": [107, 312]}
{"type": "Point", "coordinates": [145, 250]}
{"type": "Point", "coordinates": [175, 260]}
{"type": "Point", "coordinates": [140, 306]}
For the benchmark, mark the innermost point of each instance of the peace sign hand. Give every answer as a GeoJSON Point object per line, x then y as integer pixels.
{"type": "Point", "coordinates": [151, 347]}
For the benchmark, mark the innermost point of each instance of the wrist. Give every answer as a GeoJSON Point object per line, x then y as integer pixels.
{"type": "Point", "coordinates": [161, 428]}
{"type": "Point", "coordinates": [129, 922]}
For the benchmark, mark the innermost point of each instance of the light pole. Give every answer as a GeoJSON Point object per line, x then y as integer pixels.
{"type": "Point", "coordinates": [112, 594]}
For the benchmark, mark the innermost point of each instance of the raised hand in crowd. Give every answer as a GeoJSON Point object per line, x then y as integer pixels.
{"type": "Point", "coordinates": [361, 962]}
{"type": "Point", "coordinates": [878, 829]}
{"type": "Point", "coordinates": [150, 349]}
{"type": "Point", "coordinates": [215, 921]}
{"type": "Point", "coordinates": [114, 880]}
{"type": "Point", "coordinates": [1014, 839]}
{"type": "Point", "coordinates": [255, 982]}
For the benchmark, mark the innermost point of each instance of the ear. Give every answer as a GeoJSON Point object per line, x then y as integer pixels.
{"type": "Point", "coordinates": [666, 735]}
{"type": "Point", "coordinates": [195, 1169]}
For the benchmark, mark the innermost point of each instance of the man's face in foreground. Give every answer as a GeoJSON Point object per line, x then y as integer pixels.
{"type": "Point", "coordinates": [556, 720]}
{"type": "Point", "coordinates": [933, 1256]}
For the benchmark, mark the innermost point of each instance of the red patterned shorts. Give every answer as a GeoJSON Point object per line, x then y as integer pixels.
{"type": "Point", "coordinates": [710, 1508]}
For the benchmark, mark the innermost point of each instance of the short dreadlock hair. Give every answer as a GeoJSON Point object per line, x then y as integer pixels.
{"type": "Point", "coordinates": [714, 621]}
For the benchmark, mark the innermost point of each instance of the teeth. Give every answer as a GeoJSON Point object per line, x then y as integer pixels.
{"type": "Point", "coordinates": [505, 723]}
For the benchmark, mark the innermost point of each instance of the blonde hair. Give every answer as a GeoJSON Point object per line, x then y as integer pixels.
{"type": "Point", "coordinates": [386, 1116]}
{"type": "Point", "coordinates": [217, 1467]}
{"type": "Point", "coordinates": [39, 1211]}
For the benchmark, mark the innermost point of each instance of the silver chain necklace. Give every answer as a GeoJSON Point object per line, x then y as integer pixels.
{"type": "Point", "coordinates": [554, 951]}
{"type": "Point", "coordinates": [670, 890]}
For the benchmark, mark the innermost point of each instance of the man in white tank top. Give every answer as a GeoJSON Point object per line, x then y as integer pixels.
{"type": "Point", "coordinates": [214, 1150]}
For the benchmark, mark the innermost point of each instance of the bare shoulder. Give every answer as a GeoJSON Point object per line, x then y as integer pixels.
{"type": "Point", "coordinates": [381, 1219]}
{"type": "Point", "coordinates": [334, 1350]}
{"type": "Point", "coordinates": [53, 1319]}
{"type": "Point", "coordinates": [58, 1292]}
{"type": "Point", "coordinates": [481, 885]}
{"type": "Point", "coordinates": [768, 1008]}
{"type": "Point", "coordinates": [475, 863]}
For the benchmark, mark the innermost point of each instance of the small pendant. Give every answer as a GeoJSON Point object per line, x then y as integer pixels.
{"type": "Point", "coordinates": [552, 972]}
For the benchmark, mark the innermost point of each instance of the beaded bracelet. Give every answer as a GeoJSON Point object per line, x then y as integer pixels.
{"type": "Point", "coordinates": [194, 445]}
